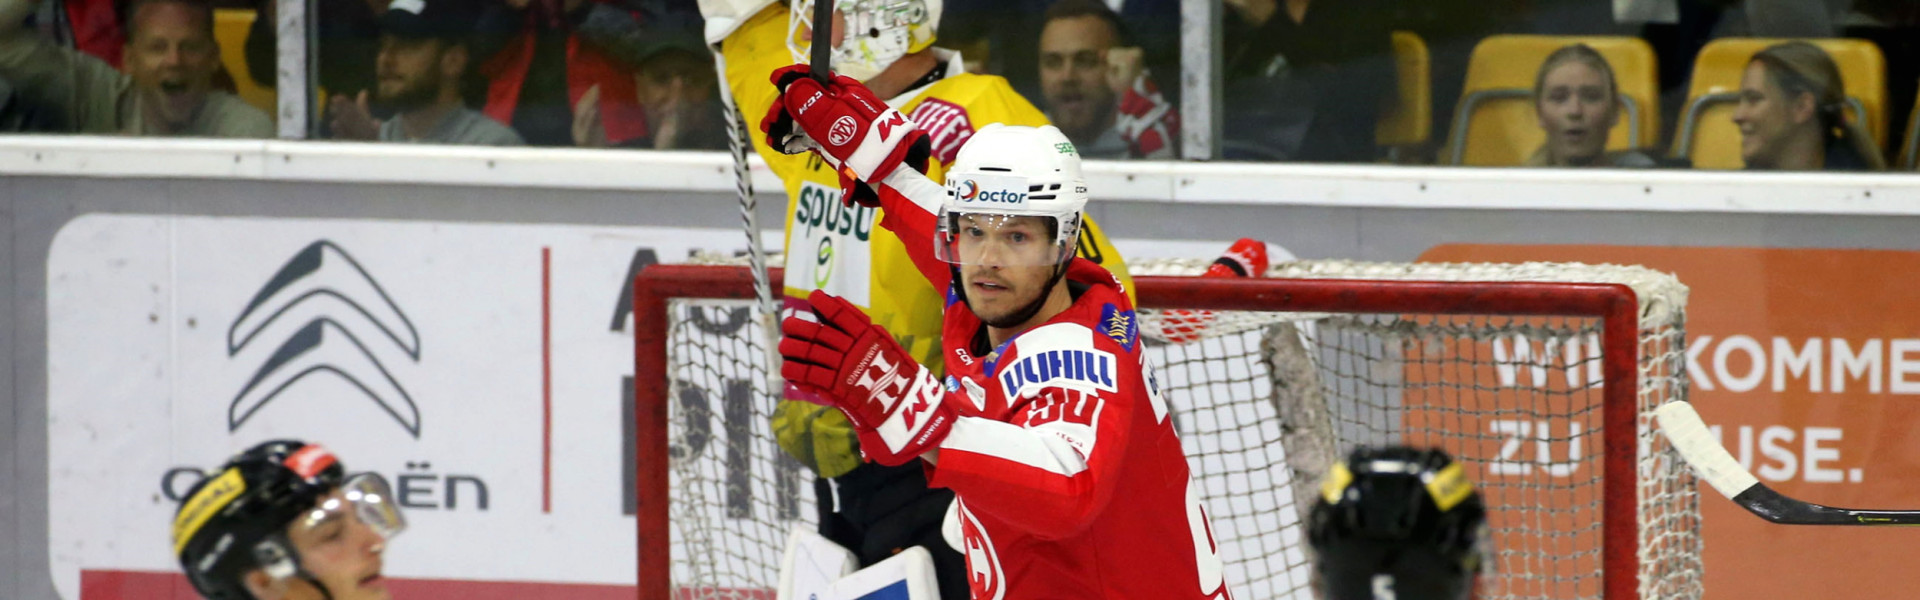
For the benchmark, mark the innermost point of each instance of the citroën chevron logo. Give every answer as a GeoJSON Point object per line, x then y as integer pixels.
{"type": "Point", "coordinates": [344, 308]}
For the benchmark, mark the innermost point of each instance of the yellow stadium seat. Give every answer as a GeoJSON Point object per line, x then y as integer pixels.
{"type": "Point", "coordinates": [1910, 157]}
{"type": "Point", "coordinates": [230, 26]}
{"type": "Point", "coordinates": [1707, 134]}
{"type": "Point", "coordinates": [1409, 122]}
{"type": "Point", "coordinates": [1495, 123]}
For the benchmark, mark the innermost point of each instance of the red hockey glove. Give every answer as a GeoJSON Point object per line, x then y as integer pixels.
{"type": "Point", "coordinates": [896, 405]}
{"type": "Point", "coordinates": [854, 131]}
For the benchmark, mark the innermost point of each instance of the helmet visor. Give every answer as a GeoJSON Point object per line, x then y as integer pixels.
{"type": "Point", "coordinates": [365, 499]}
{"type": "Point", "coordinates": [999, 240]}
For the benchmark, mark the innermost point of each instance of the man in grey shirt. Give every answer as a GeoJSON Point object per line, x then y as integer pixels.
{"type": "Point", "coordinates": [166, 89]}
{"type": "Point", "coordinates": [424, 54]}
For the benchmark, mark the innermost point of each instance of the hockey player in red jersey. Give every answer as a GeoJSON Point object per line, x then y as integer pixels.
{"type": "Point", "coordinates": [1049, 427]}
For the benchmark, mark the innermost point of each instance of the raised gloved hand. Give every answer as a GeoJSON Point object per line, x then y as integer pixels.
{"type": "Point", "coordinates": [854, 131]}
{"type": "Point", "coordinates": [896, 405]}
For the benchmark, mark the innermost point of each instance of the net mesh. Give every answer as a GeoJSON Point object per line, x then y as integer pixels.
{"type": "Point", "coordinates": [1264, 402]}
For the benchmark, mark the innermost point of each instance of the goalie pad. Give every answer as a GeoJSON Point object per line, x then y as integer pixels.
{"type": "Point", "coordinates": [906, 576]}
{"type": "Point", "coordinates": [811, 566]}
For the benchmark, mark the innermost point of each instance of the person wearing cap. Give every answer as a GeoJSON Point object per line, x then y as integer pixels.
{"type": "Point", "coordinates": [1398, 522]}
{"type": "Point", "coordinates": [164, 86]}
{"type": "Point", "coordinates": [425, 54]}
{"type": "Point", "coordinates": [281, 521]}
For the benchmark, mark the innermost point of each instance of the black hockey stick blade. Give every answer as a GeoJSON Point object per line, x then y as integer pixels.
{"type": "Point", "coordinates": [821, 50]}
{"type": "Point", "coordinates": [1690, 436]}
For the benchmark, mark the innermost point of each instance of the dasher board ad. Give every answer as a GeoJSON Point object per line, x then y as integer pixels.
{"type": "Point", "coordinates": [1806, 364]}
{"type": "Point", "coordinates": [484, 370]}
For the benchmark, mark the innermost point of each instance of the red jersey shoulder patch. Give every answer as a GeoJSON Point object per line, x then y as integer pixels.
{"type": "Point", "coordinates": [947, 126]}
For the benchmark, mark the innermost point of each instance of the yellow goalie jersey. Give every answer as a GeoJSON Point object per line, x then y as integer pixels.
{"type": "Point", "coordinates": [840, 249]}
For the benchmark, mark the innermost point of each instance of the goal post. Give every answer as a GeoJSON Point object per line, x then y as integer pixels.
{"type": "Point", "coordinates": [1292, 371]}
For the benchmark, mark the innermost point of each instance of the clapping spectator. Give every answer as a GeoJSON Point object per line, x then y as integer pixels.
{"type": "Point", "coordinates": [1792, 114]}
{"type": "Point", "coordinates": [542, 57]}
{"type": "Point", "coordinates": [1578, 102]}
{"type": "Point", "coordinates": [1305, 79]}
{"type": "Point", "coordinates": [678, 90]}
{"type": "Point", "coordinates": [167, 87]}
{"type": "Point", "coordinates": [1096, 90]}
{"type": "Point", "coordinates": [423, 60]}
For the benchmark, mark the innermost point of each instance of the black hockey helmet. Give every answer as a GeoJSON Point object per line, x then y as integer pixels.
{"type": "Point", "coordinates": [236, 519]}
{"type": "Point", "coordinates": [1403, 519]}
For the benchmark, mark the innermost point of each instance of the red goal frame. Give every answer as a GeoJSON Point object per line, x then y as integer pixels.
{"type": "Point", "coordinates": [1614, 304]}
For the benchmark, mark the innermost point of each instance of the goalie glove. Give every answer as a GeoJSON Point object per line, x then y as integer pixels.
{"type": "Point", "coordinates": [855, 132]}
{"type": "Point", "coordinates": [897, 407]}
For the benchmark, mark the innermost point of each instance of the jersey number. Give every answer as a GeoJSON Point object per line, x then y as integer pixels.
{"type": "Point", "coordinates": [1206, 553]}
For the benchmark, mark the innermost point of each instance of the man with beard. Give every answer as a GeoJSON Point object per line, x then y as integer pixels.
{"type": "Point", "coordinates": [166, 87]}
{"type": "Point", "coordinates": [423, 60]}
{"type": "Point", "coordinates": [1096, 90]}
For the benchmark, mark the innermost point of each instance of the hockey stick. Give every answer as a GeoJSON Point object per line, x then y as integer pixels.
{"type": "Point", "coordinates": [821, 54]}
{"type": "Point", "coordinates": [737, 143]}
{"type": "Point", "coordinates": [1683, 427]}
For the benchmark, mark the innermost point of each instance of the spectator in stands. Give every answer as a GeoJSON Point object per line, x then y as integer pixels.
{"type": "Point", "coordinates": [1578, 103]}
{"type": "Point", "coordinates": [1305, 80]}
{"type": "Point", "coordinates": [1792, 114]}
{"type": "Point", "coordinates": [678, 90]}
{"type": "Point", "coordinates": [166, 87]}
{"type": "Point", "coordinates": [424, 55]}
{"type": "Point", "coordinates": [1096, 90]}
{"type": "Point", "coordinates": [542, 57]}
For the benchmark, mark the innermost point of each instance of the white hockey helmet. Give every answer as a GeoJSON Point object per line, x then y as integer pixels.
{"type": "Point", "coordinates": [1005, 172]}
{"type": "Point", "coordinates": [878, 32]}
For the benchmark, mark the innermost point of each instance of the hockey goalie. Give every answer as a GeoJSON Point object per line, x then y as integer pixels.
{"type": "Point", "coordinates": [1049, 427]}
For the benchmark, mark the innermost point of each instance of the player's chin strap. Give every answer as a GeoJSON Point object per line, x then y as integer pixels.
{"type": "Point", "coordinates": [281, 561]}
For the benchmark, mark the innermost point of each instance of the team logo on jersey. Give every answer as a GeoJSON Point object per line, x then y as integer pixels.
{"type": "Point", "coordinates": [1073, 368]}
{"type": "Point", "coordinates": [984, 575]}
{"type": "Point", "coordinates": [842, 131]}
{"type": "Point", "coordinates": [1120, 325]}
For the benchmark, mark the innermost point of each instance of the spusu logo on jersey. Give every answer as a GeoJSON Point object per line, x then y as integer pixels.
{"type": "Point", "coordinates": [1083, 367]}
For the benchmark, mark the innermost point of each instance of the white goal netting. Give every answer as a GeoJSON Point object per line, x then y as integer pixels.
{"type": "Point", "coordinates": [1264, 401]}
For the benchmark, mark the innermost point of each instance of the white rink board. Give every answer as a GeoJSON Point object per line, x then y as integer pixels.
{"type": "Point", "coordinates": [141, 381]}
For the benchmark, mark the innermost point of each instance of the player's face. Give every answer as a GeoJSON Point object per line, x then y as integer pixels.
{"type": "Point", "coordinates": [1766, 117]}
{"type": "Point", "coordinates": [1005, 263]}
{"type": "Point", "coordinates": [1073, 75]}
{"type": "Point", "coordinates": [1576, 110]}
{"type": "Point", "coordinates": [171, 57]}
{"type": "Point", "coordinates": [340, 550]}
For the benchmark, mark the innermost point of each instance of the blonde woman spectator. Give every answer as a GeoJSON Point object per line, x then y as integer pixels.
{"type": "Point", "coordinates": [1577, 102]}
{"type": "Point", "coordinates": [1792, 114]}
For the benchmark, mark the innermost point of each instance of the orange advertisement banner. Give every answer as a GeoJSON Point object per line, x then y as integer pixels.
{"type": "Point", "coordinates": [1806, 363]}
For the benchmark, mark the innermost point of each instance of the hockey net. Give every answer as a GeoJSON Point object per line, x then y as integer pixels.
{"type": "Point", "coordinates": [1510, 368]}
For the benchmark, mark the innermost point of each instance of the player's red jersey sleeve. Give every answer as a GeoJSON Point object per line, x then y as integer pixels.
{"type": "Point", "coordinates": [908, 203]}
{"type": "Point", "coordinates": [1051, 468]}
